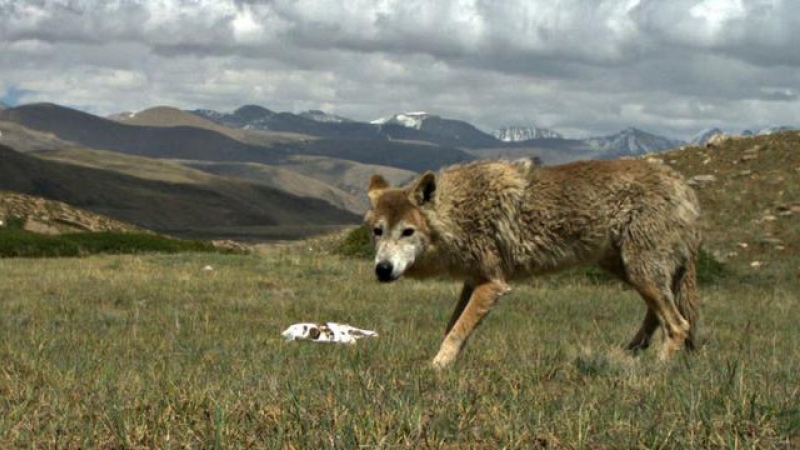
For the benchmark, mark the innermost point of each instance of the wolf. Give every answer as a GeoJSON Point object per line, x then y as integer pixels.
{"type": "Point", "coordinates": [490, 222]}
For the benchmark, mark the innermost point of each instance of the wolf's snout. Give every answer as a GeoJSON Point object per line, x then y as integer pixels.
{"type": "Point", "coordinates": [384, 271]}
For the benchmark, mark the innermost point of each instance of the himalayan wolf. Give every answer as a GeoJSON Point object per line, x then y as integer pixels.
{"type": "Point", "coordinates": [490, 222]}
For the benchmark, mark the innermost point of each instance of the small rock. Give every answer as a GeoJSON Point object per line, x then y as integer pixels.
{"type": "Point", "coordinates": [753, 149]}
{"type": "Point", "coordinates": [795, 209]}
{"type": "Point", "coordinates": [697, 180]}
{"type": "Point", "coordinates": [208, 268]}
{"type": "Point", "coordinates": [769, 218]}
{"type": "Point", "coordinates": [745, 173]}
{"type": "Point", "coordinates": [771, 241]}
{"type": "Point", "coordinates": [756, 264]}
{"type": "Point", "coordinates": [742, 244]}
{"type": "Point", "coordinates": [748, 157]}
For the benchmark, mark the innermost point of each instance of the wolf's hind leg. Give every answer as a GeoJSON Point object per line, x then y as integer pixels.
{"type": "Point", "coordinates": [483, 298]}
{"type": "Point", "coordinates": [641, 340]}
{"type": "Point", "coordinates": [660, 300]}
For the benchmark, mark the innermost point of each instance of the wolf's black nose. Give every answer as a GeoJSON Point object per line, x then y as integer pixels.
{"type": "Point", "coordinates": [384, 271]}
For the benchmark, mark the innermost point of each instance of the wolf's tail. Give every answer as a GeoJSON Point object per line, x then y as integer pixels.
{"type": "Point", "coordinates": [685, 292]}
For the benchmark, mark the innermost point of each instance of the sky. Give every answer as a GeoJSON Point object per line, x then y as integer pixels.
{"type": "Point", "coordinates": [580, 67]}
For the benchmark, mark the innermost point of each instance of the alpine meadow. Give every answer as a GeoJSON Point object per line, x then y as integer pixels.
{"type": "Point", "coordinates": [153, 350]}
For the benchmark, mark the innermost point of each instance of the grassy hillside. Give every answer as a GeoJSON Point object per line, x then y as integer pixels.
{"type": "Point", "coordinates": [284, 179]}
{"type": "Point", "coordinates": [751, 208]}
{"type": "Point", "coordinates": [163, 205]}
{"type": "Point", "coordinates": [52, 217]}
{"type": "Point", "coordinates": [349, 176]}
{"type": "Point", "coordinates": [15, 135]}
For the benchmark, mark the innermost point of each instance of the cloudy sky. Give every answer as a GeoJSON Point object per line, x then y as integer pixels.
{"type": "Point", "coordinates": [578, 66]}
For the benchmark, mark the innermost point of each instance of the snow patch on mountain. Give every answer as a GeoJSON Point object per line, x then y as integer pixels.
{"type": "Point", "coordinates": [522, 133]}
{"type": "Point", "coordinates": [705, 135]}
{"type": "Point", "coordinates": [408, 120]}
{"type": "Point", "coordinates": [321, 116]}
{"type": "Point", "coordinates": [630, 142]}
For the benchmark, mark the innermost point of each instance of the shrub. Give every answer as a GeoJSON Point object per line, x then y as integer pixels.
{"type": "Point", "coordinates": [357, 243]}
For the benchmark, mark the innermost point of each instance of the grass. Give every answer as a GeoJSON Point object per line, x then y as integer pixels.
{"type": "Point", "coordinates": [16, 242]}
{"type": "Point", "coordinates": [151, 351]}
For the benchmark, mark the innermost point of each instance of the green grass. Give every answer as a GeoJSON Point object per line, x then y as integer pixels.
{"type": "Point", "coordinates": [151, 351]}
{"type": "Point", "coordinates": [16, 242]}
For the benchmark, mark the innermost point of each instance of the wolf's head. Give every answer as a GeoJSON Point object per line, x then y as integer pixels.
{"type": "Point", "coordinates": [396, 220]}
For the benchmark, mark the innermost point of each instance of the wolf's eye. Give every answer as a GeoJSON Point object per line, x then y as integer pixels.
{"type": "Point", "coordinates": [408, 232]}
{"type": "Point", "coordinates": [377, 231]}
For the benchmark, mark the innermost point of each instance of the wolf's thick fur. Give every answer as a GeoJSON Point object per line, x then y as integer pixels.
{"type": "Point", "coordinates": [492, 221]}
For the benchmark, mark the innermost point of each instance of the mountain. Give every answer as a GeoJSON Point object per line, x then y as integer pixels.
{"type": "Point", "coordinates": [159, 142]}
{"type": "Point", "coordinates": [191, 143]}
{"type": "Point", "coordinates": [629, 142]}
{"type": "Point", "coordinates": [166, 116]}
{"type": "Point", "coordinates": [705, 135]}
{"type": "Point", "coordinates": [254, 117]}
{"type": "Point", "coordinates": [776, 129]}
{"type": "Point", "coordinates": [520, 133]}
{"type": "Point", "coordinates": [322, 116]}
{"type": "Point", "coordinates": [202, 202]}
{"type": "Point", "coordinates": [440, 130]}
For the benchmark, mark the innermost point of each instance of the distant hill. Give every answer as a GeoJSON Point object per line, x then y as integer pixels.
{"type": "Point", "coordinates": [159, 142]}
{"type": "Point", "coordinates": [284, 179]}
{"type": "Point", "coordinates": [191, 143]}
{"type": "Point", "coordinates": [630, 142]}
{"type": "Point", "coordinates": [322, 116]}
{"type": "Point", "coordinates": [166, 116]}
{"type": "Point", "coordinates": [161, 205]}
{"type": "Point", "coordinates": [350, 176]}
{"type": "Point", "coordinates": [25, 139]}
{"type": "Point", "coordinates": [440, 130]}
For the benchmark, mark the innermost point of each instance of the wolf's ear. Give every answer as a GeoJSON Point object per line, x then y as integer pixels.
{"type": "Point", "coordinates": [423, 189]}
{"type": "Point", "coordinates": [376, 185]}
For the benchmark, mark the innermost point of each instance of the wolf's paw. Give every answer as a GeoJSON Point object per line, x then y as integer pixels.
{"type": "Point", "coordinates": [445, 357]}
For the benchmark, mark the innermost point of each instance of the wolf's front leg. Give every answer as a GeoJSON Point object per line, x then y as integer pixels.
{"type": "Point", "coordinates": [483, 298]}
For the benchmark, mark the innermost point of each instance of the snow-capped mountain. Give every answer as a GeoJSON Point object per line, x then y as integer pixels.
{"type": "Point", "coordinates": [322, 116]}
{"type": "Point", "coordinates": [630, 142]}
{"type": "Point", "coordinates": [705, 135]}
{"type": "Point", "coordinates": [522, 133]}
{"type": "Point", "coordinates": [776, 129]}
{"type": "Point", "coordinates": [439, 129]}
{"type": "Point", "coordinates": [408, 120]}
